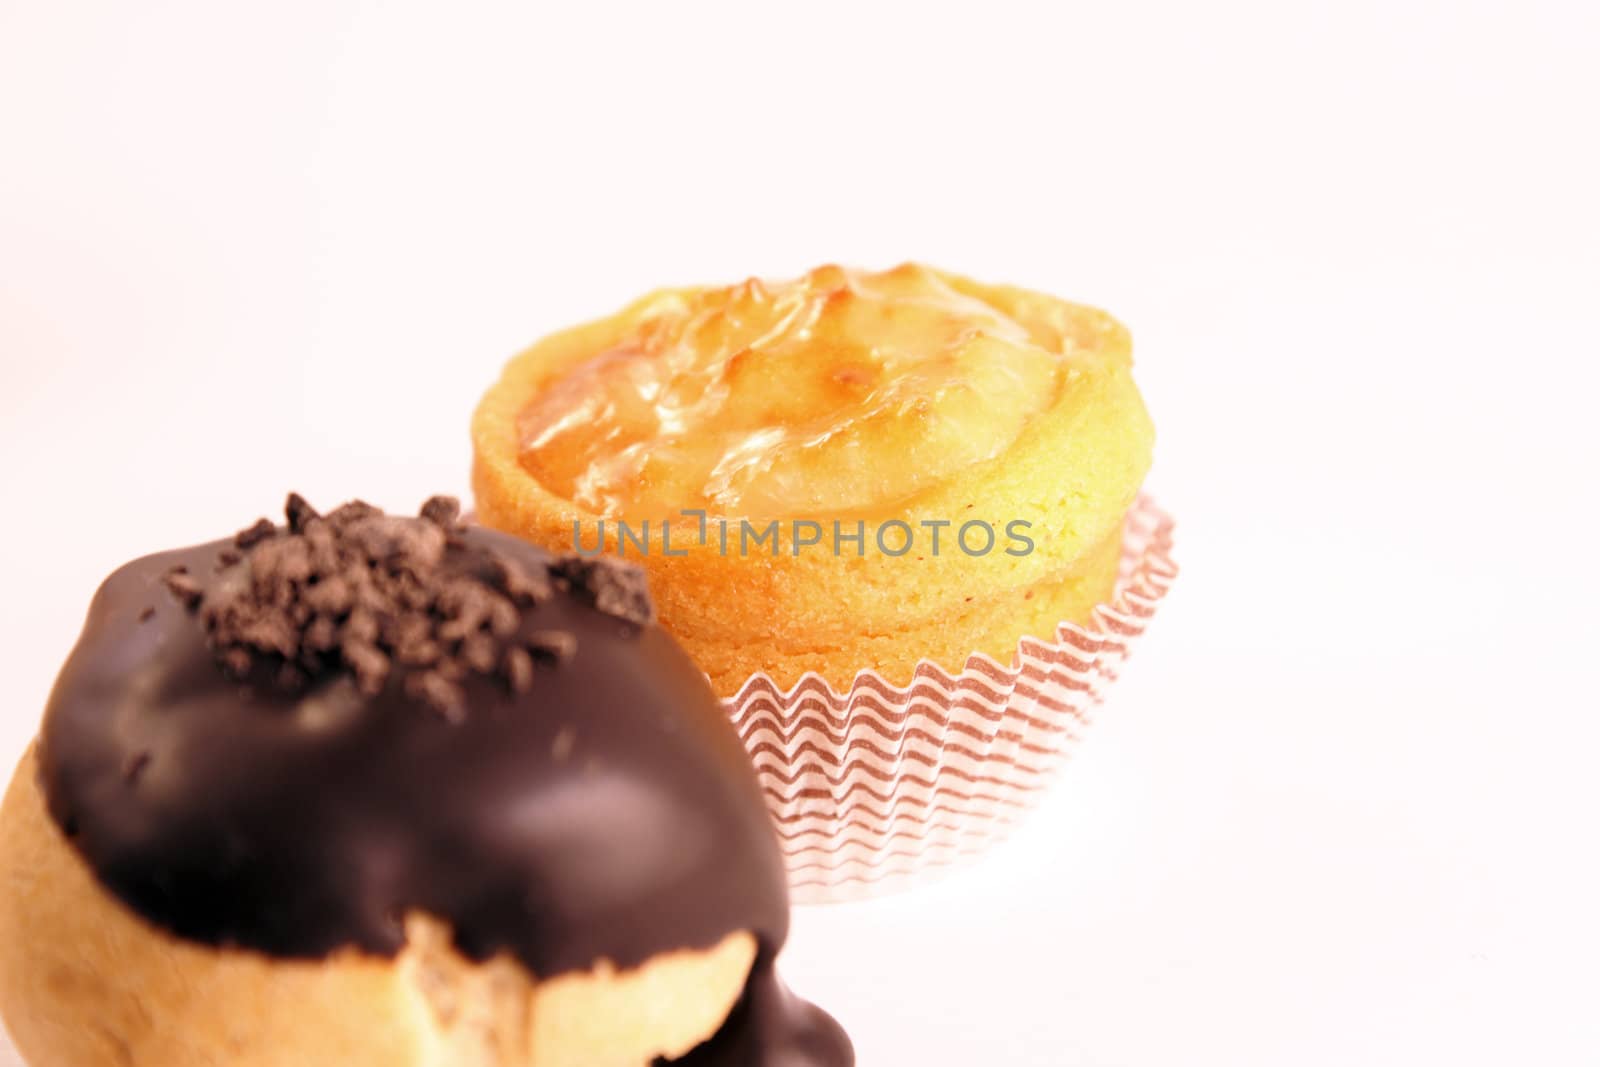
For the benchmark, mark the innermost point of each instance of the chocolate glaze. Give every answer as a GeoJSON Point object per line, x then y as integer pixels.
{"type": "Point", "coordinates": [609, 812]}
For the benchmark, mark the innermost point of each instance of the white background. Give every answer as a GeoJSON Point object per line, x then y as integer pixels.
{"type": "Point", "coordinates": [1342, 808]}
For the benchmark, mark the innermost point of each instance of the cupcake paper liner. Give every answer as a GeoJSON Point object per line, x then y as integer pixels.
{"type": "Point", "coordinates": [874, 787]}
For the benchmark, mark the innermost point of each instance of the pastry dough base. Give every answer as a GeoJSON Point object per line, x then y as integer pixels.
{"type": "Point", "coordinates": [85, 982]}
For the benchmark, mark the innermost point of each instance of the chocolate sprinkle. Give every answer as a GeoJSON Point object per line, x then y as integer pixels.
{"type": "Point", "coordinates": [442, 511]}
{"type": "Point", "coordinates": [374, 596]}
{"type": "Point", "coordinates": [611, 585]}
{"type": "Point", "coordinates": [254, 535]}
{"type": "Point", "coordinates": [181, 584]}
{"type": "Point", "coordinates": [553, 644]}
{"type": "Point", "coordinates": [517, 669]}
{"type": "Point", "coordinates": [299, 513]}
{"type": "Point", "coordinates": [521, 585]}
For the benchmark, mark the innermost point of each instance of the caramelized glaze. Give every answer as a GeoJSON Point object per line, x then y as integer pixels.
{"type": "Point", "coordinates": [840, 392]}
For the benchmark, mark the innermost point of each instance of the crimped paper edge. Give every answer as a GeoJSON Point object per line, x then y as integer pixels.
{"type": "Point", "coordinates": [876, 785]}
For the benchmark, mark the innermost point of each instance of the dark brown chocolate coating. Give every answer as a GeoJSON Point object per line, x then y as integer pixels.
{"type": "Point", "coordinates": [609, 812]}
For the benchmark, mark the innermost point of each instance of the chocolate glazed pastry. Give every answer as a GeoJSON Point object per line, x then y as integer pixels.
{"type": "Point", "coordinates": [291, 741]}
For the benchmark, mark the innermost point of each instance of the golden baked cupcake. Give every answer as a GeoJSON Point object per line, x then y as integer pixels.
{"type": "Point", "coordinates": [377, 790]}
{"type": "Point", "coordinates": [850, 471]}
{"type": "Point", "coordinates": [894, 516]}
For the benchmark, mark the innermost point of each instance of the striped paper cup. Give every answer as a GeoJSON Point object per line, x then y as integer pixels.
{"type": "Point", "coordinates": [873, 787]}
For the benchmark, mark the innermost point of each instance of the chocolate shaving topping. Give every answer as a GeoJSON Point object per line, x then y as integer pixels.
{"type": "Point", "coordinates": [525, 587]}
{"type": "Point", "coordinates": [442, 511]}
{"type": "Point", "coordinates": [611, 585]}
{"type": "Point", "coordinates": [253, 535]}
{"type": "Point", "coordinates": [299, 513]}
{"type": "Point", "coordinates": [517, 670]}
{"type": "Point", "coordinates": [379, 597]}
{"type": "Point", "coordinates": [439, 693]}
{"type": "Point", "coordinates": [557, 645]}
{"type": "Point", "coordinates": [182, 585]}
